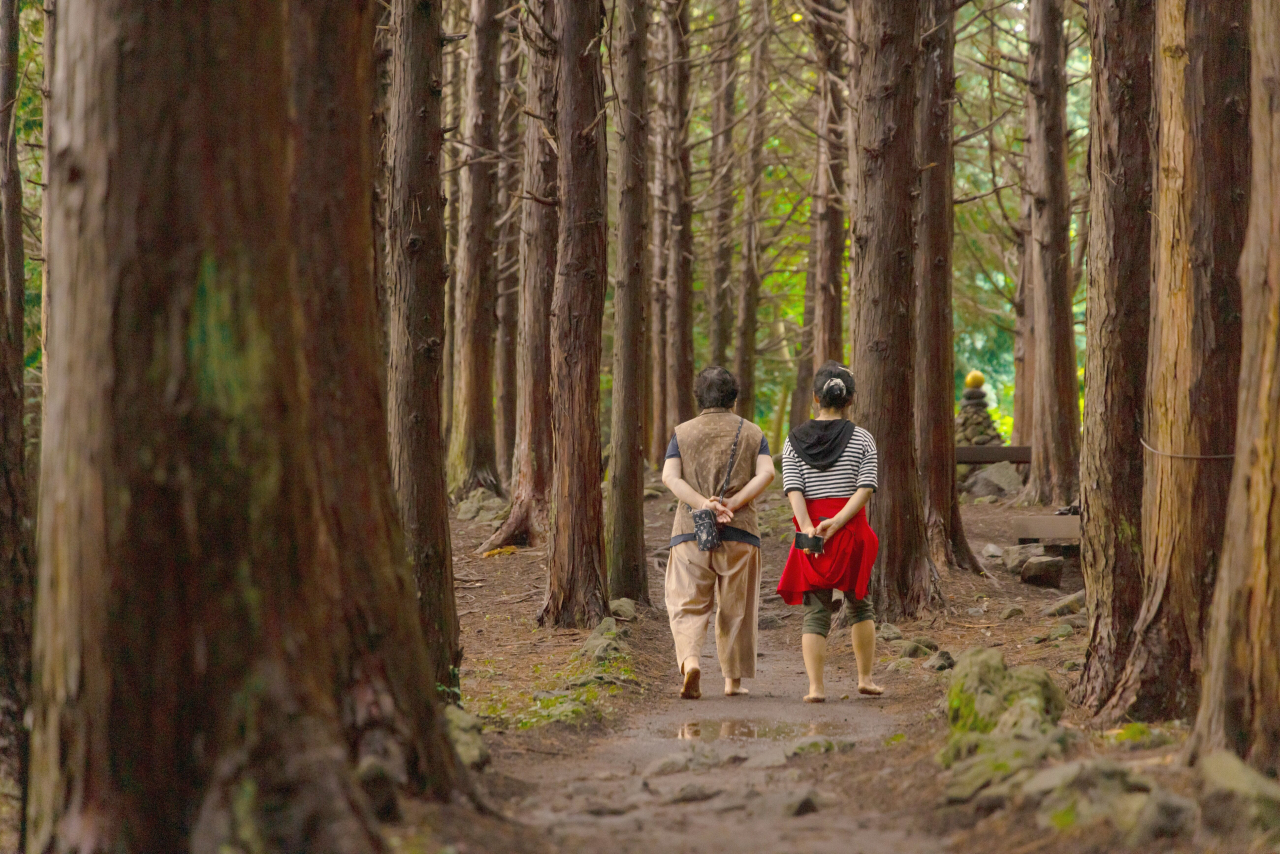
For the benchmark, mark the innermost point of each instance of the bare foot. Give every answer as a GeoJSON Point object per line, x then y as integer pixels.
{"type": "Point", "coordinates": [733, 688]}
{"type": "Point", "coordinates": [815, 698]}
{"type": "Point", "coordinates": [692, 689]}
{"type": "Point", "coordinates": [870, 688]}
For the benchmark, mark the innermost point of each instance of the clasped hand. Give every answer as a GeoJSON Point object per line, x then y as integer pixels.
{"type": "Point", "coordinates": [723, 514]}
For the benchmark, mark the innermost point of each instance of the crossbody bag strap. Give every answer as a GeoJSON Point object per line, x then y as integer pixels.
{"type": "Point", "coordinates": [733, 457]}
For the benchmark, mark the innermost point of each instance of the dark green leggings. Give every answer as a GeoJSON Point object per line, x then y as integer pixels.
{"type": "Point", "coordinates": [818, 605]}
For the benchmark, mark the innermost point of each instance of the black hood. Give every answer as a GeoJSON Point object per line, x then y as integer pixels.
{"type": "Point", "coordinates": [820, 443]}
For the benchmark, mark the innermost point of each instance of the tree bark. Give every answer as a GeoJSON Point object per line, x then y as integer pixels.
{"type": "Point", "coordinates": [1055, 430]}
{"type": "Point", "coordinates": [527, 523]}
{"type": "Point", "coordinates": [472, 444]}
{"type": "Point", "coordinates": [680, 406]}
{"type": "Point", "coordinates": [1024, 340]}
{"type": "Point", "coordinates": [744, 348]}
{"type": "Point", "coordinates": [882, 304]}
{"type": "Point", "coordinates": [15, 541]}
{"type": "Point", "coordinates": [828, 198]}
{"type": "Point", "coordinates": [49, 46]}
{"type": "Point", "coordinates": [508, 271]}
{"type": "Point", "coordinates": [1238, 709]}
{"type": "Point", "coordinates": [935, 332]}
{"type": "Point", "coordinates": [576, 565]}
{"type": "Point", "coordinates": [624, 530]}
{"type": "Point", "coordinates": [206, 613]}
{"type": "Point", "coordinates": [453, 157]}
{"type": "Point", "coordinates": [802, 392]}
{"type": "Point", "coordinates": [723, 108]}
{"type": "Point", "coordinates": [1201, 206]}
{"type": "Point", "coordinates": [416, 282]}
{"type": "Point", "coordinates": [1117, 322]}
{"type": "Point", "coordinates": [660, 427]}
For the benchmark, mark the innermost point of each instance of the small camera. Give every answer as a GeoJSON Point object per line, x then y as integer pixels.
{"type": "Point", "coordinates": [809, 542]}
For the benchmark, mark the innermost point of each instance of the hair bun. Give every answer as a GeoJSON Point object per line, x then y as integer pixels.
{"type": "Point", "coordinates": [836, 385]}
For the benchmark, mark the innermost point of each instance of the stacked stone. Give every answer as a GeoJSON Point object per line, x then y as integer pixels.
{"type": "Point", "coordinates": [974, 425]}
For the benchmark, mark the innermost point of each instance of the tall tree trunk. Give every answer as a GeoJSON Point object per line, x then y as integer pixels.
{"type": "Point", "coordinates": [413, 650]}
{"type": "Point", "coordinates": [527, 523]}
{"type": "Point", "coordinates": [505, 389]}
{"type": "Point", "coordinates": [473, 460]}
{"type": "Point", "coordinates": [1117, 320]}
{"type": "Point", "coordinates": [214, 625]}
{"type": "Point", "coordinates": [659, 241]}
{"type": "Point", "coordinates": [744, 348]}
{"type": "Point", "coordinates": [1238, 709]}
{"type": "Point", "coordinates": [828, 198]}
{"type": "Point", "coordinates": [50, 42]}
{"type": "Point", "coordinates": [882, 165]}
{"type": "Point", "coordinates": [1201, 206]}
{"type": "Point", "coordinates": [576, 566]}
{"type": "Point", "coordinates": [628, 574]}
{"type": "Point", "coordinates": [680, 263]}
{"type": "Point", "coordinates": [724, 105]}
{"type": "Point", "coordinates": [1024, 337]}
{"type": "Point", "coordinates": [935, 332]}
{"type": "Point", "coordinates": [416, 282]}
{"type": "Point", "coordinates": [802, 393]}
{"type": "Point", "coordinates": [1055, 430]}
{"type": "Point", "coordinates": [15, 541]}
{"type": "Point", "coordinates": [455, 13]}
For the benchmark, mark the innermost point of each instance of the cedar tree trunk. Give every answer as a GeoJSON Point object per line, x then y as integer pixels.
{"type": "Point", "coordinates": [660, 427]}
{"type": "Point", "coordinates": [1201, 140]}
{"type": "Point", "coordinates": [209, 618]}
{"type": "Point", "coordinates": [1117, 320]}
{"type": "Point", "coordinates": [624, 527]}
{"type": "Point", "coordinates": [744, 350]}
{"type": "Point", "coordinates": [15, 539]}
{"type": "Point", "coordinates": [1024, 340]}
{"type": "Point", "coordinates": [576, 566]}
{"type": "Point", "coordinates": [935, 333]}
{"type": "Point", "coordinates": [680, 263]}
{"type": "Point", "coordinates": [724, 105]}
{"type": "Point", "coordinates": [1238, 708]}
{"type": "Point", "coordinates": [505, 388]}
{"type": "Point", "coordinates": [416, 283]}
{"type": "Point", "coordinates": [539, 230]}
{"type": "Point", "coordinates": [828, 198]}
{"type": "Point", "coordinates": [1055, 430]}
{"type": "Point", "coordinates": [472, 444]}
{"type": "Point", "coordinates": [883, 172]}
{"type": "Point", "coordinates": [802, 393]}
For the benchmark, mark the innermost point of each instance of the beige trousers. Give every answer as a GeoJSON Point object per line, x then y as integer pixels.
{"type": "Point", "coordinates": [693, 579]}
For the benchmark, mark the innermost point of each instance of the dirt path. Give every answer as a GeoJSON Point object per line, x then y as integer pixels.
{"type": "Point", "coordinates": [599, 785]}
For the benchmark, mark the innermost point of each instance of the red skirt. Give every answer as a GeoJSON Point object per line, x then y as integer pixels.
{"type": "Point", "coordinates": [846, 559]}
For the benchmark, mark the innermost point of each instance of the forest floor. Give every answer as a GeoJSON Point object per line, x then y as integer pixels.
{"type": "Point", "coordinates": [577, 748]}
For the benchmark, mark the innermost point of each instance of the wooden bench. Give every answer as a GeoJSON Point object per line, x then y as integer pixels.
{"type": "Point", "coordinates": [982, 454]}
{"type": "Point", "coordinates": [1033, 529]}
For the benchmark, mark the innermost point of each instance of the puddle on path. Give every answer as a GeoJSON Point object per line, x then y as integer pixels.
{"type": "Point", "coordinates": [713, 730]}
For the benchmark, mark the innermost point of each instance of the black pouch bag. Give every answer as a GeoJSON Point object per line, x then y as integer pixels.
{"type": "Point", "coordinates": [705, 527]}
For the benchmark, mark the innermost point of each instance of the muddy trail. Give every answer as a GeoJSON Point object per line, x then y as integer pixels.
{"type": "Point", "coordinates": [586, 757]}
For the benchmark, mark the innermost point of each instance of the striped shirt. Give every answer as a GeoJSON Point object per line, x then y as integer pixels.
{"type": "Point", "coordinates": [856, 468]}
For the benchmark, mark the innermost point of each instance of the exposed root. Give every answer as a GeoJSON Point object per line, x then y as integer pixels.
{"type": "Point", "coordinates": [526, 525]}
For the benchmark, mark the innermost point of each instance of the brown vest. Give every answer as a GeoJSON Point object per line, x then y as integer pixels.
{"type": "Point", "coordinates": [705, 445]}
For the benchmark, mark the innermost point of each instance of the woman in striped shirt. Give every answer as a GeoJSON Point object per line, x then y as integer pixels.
{"type": "Point", "coordinates": [829, 474]}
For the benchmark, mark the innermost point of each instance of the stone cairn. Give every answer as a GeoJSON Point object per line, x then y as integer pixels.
{"type": "Point", "coordinates": [974, 425]}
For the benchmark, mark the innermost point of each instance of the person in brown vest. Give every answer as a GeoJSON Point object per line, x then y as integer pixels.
{"type": "Point", "coordinates": [718, 462]}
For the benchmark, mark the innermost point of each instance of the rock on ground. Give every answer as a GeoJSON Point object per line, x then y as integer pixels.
{"type": "Point", "coordinates": [1236, 796]}
{"type": "Point", "coordinates": [1072, 604]}
{"type": "Point", "coordinates": [1016, 556]}
{"type": "Point", "coordinates": [999, 479]}
{"type": "Point", "coordinates": [623, 609]}
{"type": "Point", "coordinates": [1042, 571]}
{"type": "Point", "coordinates": [940, 661]}
{"type": "Point", "coordinates": [464, 731]}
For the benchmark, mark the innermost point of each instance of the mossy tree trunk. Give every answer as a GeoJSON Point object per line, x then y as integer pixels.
{"type": "Point", "coordinates": [829, 187]}
{"type": "Point", "coordinates": [745, 321]}
{"type": "Point", "coordinates": [680, 206]}
{"type": "Point", "coordinates": [724, 107]}
{"type": "Point", "coordinates": [218, 613]}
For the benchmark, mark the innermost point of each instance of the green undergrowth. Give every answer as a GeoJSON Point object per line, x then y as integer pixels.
{"type": "Point", "coordinates": [577, 693]}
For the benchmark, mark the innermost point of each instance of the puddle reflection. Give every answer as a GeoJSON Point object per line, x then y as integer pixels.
{"type": "Point", "coordinates": [770, 730]}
